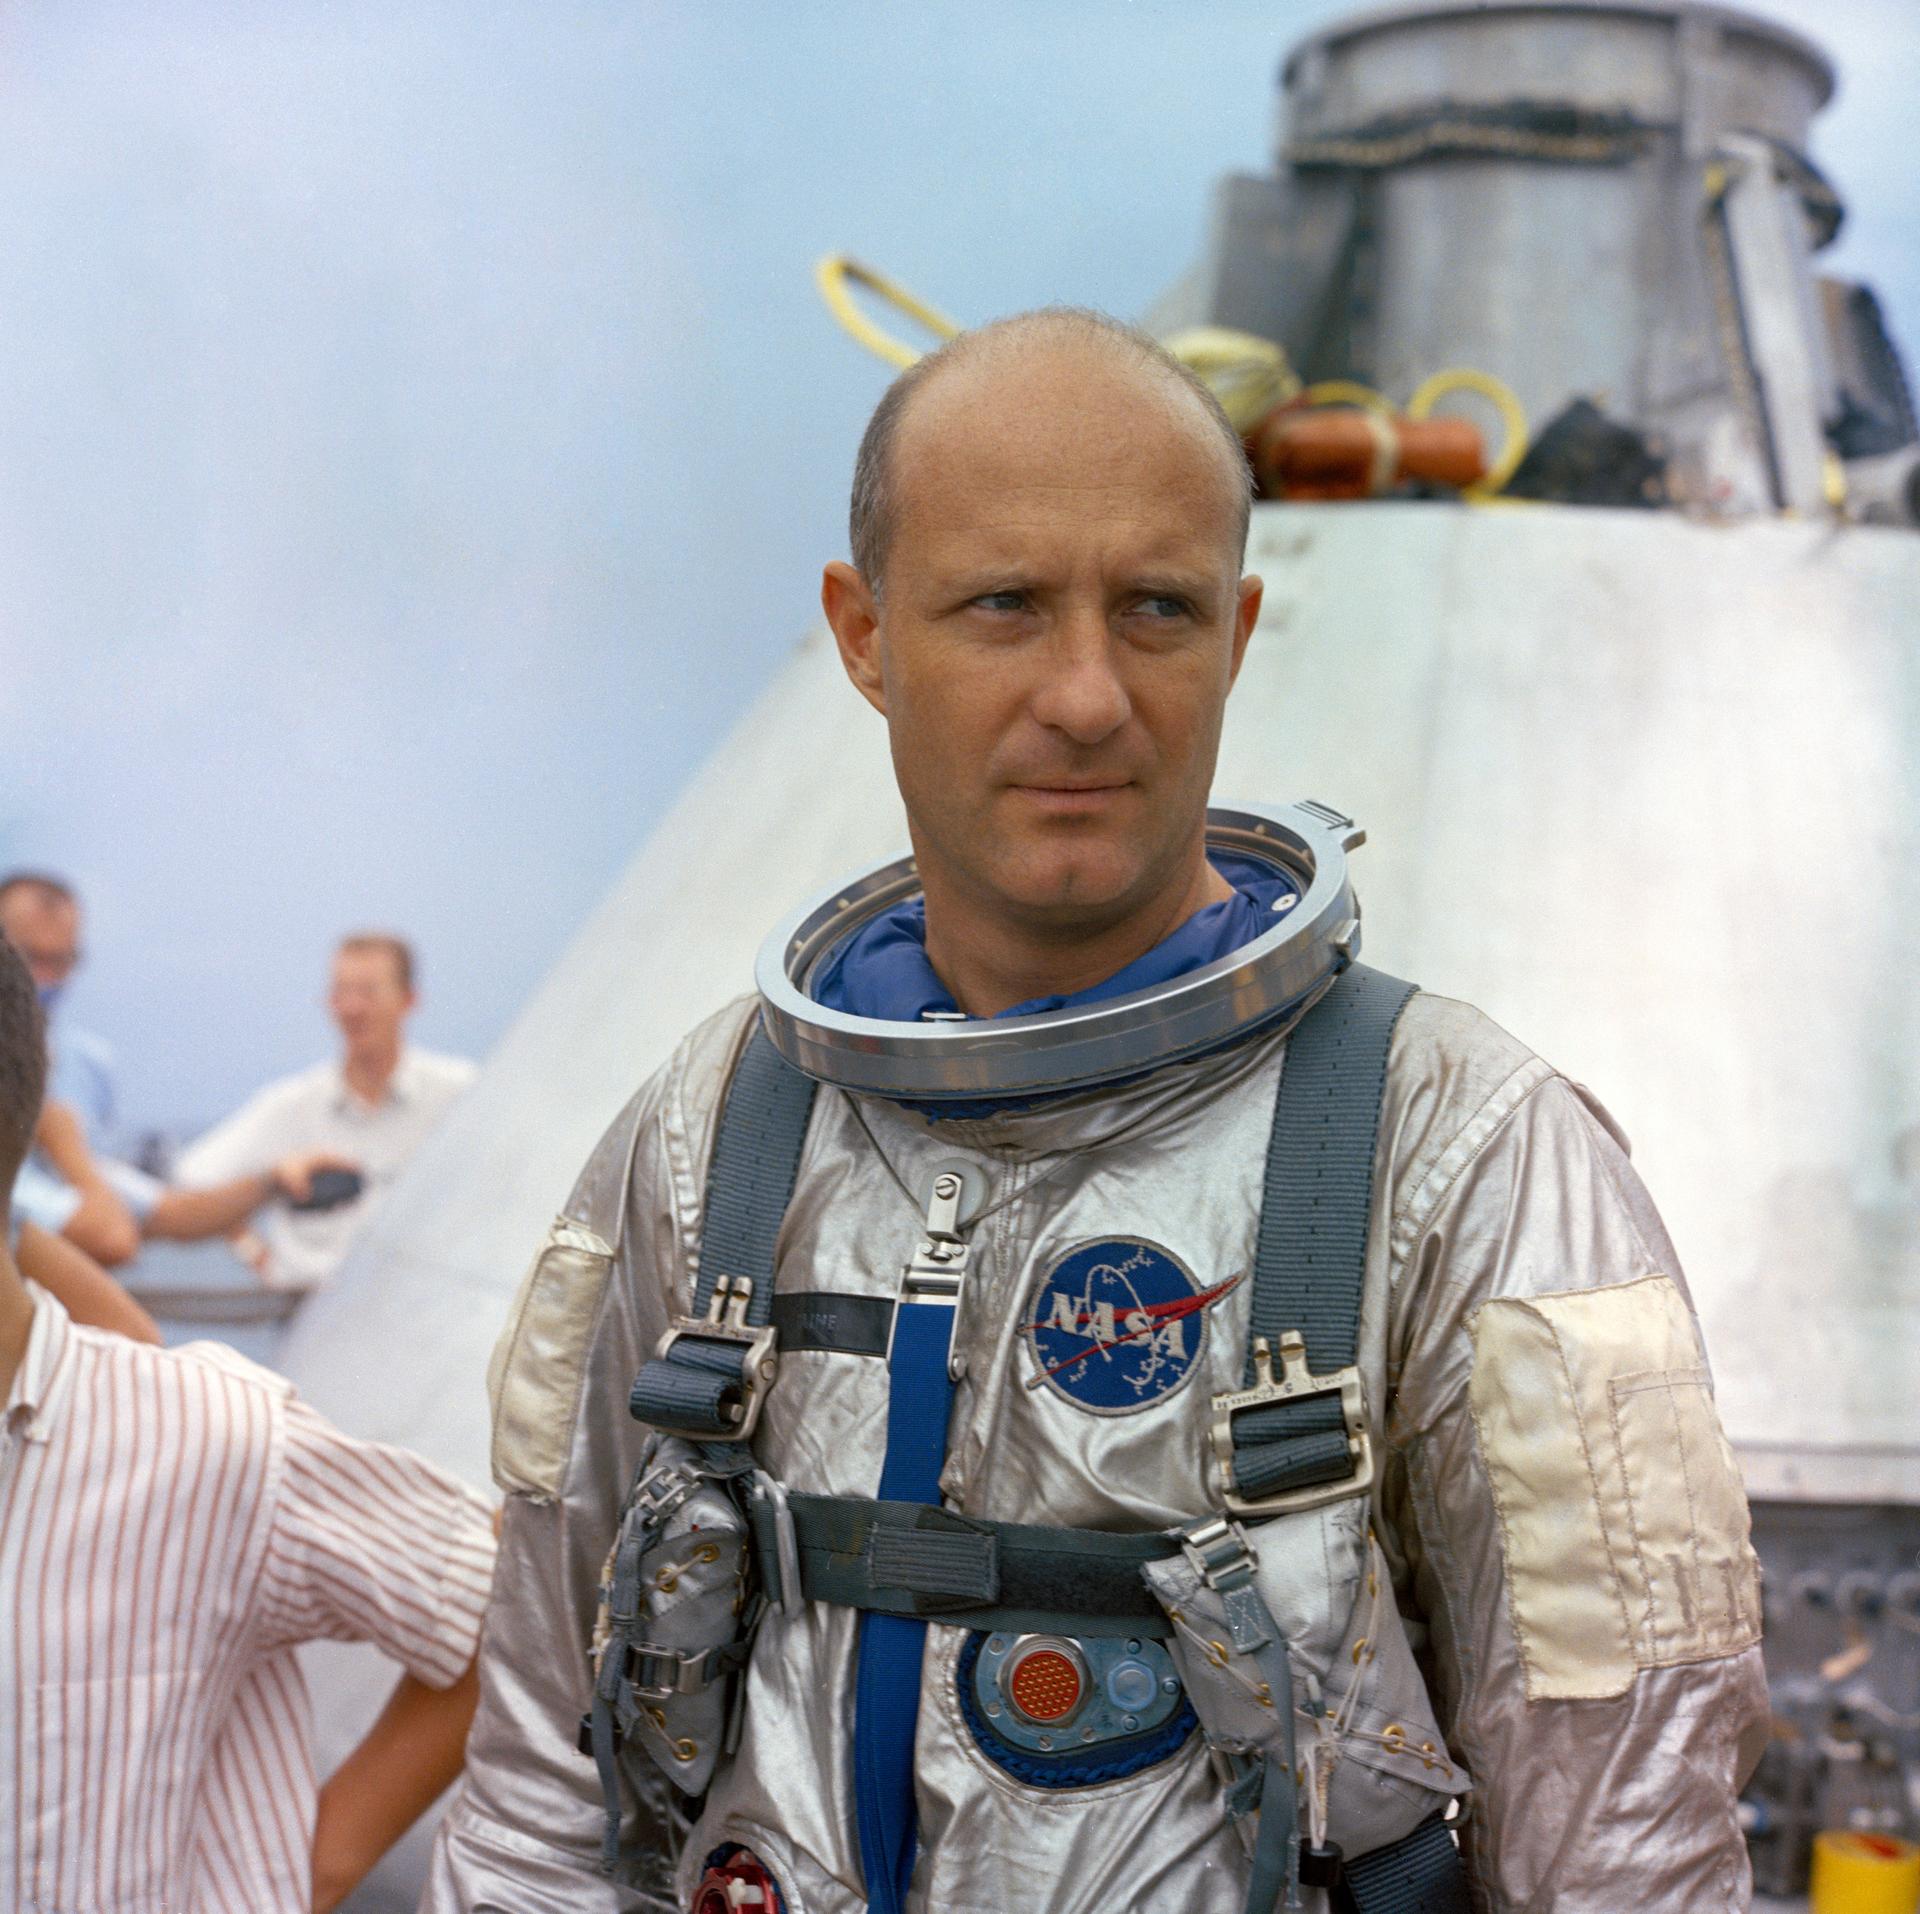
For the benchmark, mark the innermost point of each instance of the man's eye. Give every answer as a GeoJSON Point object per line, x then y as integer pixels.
{"type": "Point", "coordinates": [1160, 605]}
{"type": "Point", "coordinates": [1002, 601]}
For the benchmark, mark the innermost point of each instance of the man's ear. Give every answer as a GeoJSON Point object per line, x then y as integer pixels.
{"type": "Point", "coordinates": [854, 613]}
{"type": "Point", "coordinates": [1246, 614]}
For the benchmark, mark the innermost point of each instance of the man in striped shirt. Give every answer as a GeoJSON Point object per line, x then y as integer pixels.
{"type": "Point", "coordinates": [173, 1524]}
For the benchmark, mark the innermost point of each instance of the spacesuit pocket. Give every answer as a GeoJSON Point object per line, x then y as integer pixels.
{"type": "Point", "coordinates": [1365, 1741]}
{"type": "Point", "coordinates": [1701, 1596]}
{"type": "Point", "coordinates": [535, 1375]}
{"type": "Point", "coordinates": [1239, 1713]}
{"type": "Point", "coordinates": [672, 1666]}
{"type": "Point", "coordinates": [1371, 1747]}
{"type": "Point", "coordinates": [1622, 1521]}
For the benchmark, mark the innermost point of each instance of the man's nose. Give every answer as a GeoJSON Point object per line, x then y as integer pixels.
{"type": "Point", "coordinates": [1080, 691]}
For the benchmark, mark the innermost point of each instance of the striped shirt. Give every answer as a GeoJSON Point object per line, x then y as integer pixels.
{"type": "Point", "coordinates": [173, 1522]}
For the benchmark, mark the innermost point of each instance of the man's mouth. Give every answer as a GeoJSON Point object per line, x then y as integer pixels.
{"type": "Point", "coordinates": [1073, 797]}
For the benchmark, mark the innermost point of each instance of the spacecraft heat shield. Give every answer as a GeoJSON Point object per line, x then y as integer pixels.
{"type": "Point", "coordinates": [1280, 974]}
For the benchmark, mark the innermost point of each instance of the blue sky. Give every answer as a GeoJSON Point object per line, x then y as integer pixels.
{"type": "Point", "coordinates": [423, 435]}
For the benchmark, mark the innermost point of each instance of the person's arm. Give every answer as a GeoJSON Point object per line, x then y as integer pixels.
{"type": "Point", "coordinates": [371, 1543]}
{"type": "Point", "coordinates": [101, 1225]}
{"type": "Point", "coordinates": [410, 1756]}
{"type": "Point", "coordinates": [1569, 1520]}
{"type": "Point", "coordinates": [191, 1215]}
{"type": "Point", "coordinates": [85, 1290]}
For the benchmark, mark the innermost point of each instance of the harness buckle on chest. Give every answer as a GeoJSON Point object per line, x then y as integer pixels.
{"type": "Point", "coordinates": [1295, 1386]}
{"type": "Point", "coordinates": [755, 1348]}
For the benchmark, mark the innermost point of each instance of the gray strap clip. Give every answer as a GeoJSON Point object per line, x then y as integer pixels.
{"type": "Point", "coordinates": [655, 1673]}
{"type": "Point", "coordinates": [1223, 1558]}
{"type": "Point", "coordinates": [768, 1494]}
{"type": "Point", "coordinates": [755, 1347]}
{"type": "Point", "coordinates": [659, 1493]}
{"type": "Point", "coordinates": [1295, 1385]}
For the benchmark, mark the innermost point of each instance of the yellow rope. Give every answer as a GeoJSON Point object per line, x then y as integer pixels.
{"type": "Point", "coordinates": [1247, 374]}
{"type": "Point", "coordinates": [1347, 392]}
{"type": "Point", "coordinates": [831, 276]}
{"type": "Point", "coordinates": [1512, 416]}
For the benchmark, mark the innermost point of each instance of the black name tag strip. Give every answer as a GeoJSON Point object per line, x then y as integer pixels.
{"type": "Point", "coordinates": [841, 1325]}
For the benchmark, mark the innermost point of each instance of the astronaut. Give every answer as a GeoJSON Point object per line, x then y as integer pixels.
{"type": "Point", "coordinates": [1079, 1395]}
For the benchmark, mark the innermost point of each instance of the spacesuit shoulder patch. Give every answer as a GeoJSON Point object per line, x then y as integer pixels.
{"type": "Point", "coordinates": [1118, 1325]}
{"type": "Point", "coordinates": [534, 1377]}
{"type": "Point", "coordinates": [1622, 1518]}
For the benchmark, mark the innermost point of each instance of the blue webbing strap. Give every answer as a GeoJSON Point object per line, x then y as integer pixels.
{"type": "Point", "coordinates": [886, 1706]}
{"type": "Point", "coordinates": [1310, 1263]}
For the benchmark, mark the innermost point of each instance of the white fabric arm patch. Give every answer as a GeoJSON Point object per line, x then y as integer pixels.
{"type": "Point", "coordinates": [538, 1366]}
{"type": "Point", "coordinates": [1622, 1518]}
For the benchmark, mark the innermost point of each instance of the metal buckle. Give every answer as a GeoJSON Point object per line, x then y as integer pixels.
{"type": "Point", "coordinates": [772, 1495]}
{"type": "Point", "coordinates": [1220, 1552]}
{"type": "Point", "coordinates": [1296, 1384]}
{"type": "Point", "coordinates": [938, 1271]}
{"type": "Point", "coordinates": [726, 1321]}
{"type": "Point", "coordinates": [657, 1674]}
{"type": "Point", "coordinates": [659, 1492]}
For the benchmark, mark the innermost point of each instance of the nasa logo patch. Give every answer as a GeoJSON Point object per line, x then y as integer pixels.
{"type": "Point", "coordinates": [1118, 1325]}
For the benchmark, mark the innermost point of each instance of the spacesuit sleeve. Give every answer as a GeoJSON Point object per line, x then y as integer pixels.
{"type": "Point", "coordinates": [1573, 1528]}
{"type": "Point", "coordinates": [523, 1834]}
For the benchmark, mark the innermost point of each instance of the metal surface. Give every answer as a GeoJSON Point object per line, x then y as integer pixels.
{"type": "Point", "coordinates": [1619, 54]}
{"type": "Point", "coordinates": [1601, 199]}
{"type": "Point", "coordinates": [1769, 253]}
{"type": "Point", "coordinates": [1094, 1043]}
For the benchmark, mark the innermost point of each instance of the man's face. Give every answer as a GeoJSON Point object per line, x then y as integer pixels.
{"type": "Point", "coordinates": [367, 999]}
{"type": "Point", "coordinates": [46, 933]}
{"type": "Point", "coordinates": [1061, 620]}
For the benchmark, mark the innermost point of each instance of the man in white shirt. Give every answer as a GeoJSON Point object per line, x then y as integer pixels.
{"type": "Point", "coordinates": [373, 1107]}
{"type": "Point", "coordinates": [174, 1523]}
{"type": "Point", "coordinates": [40, 917]}
{"type": "Point", "coordinates": [105, 1211]}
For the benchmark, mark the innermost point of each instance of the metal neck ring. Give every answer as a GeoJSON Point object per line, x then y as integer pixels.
{"type": "Point", "coordinates": [1054, 1051]}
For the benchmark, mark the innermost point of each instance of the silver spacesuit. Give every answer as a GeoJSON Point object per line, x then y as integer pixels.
{"type": "Point", "coordinates": [1544, 1609]}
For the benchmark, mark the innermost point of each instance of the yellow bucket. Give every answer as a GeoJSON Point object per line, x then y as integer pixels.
{"type": "Point", "coordinates": [1864, 1874]}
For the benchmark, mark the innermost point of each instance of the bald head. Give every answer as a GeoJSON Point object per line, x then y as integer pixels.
{"type": "Point", "coordinates": [1061, 517]}
{"type": "Point", "coordinates": [1067, 345]}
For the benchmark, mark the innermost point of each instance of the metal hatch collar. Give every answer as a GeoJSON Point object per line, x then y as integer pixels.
{"type": "Point", "coordinates": [1263, 983]}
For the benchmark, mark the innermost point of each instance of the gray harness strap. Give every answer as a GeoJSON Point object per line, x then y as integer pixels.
{"type": "Point", "coordinates": [1421, 1873]}
{"type": "Point", "coordinates": [910, 1558]}
{"type": "Point", "coordinates": [1309, 1267]}
{"type": "Point", "coordinates": [711, 1369]}
{"type": "Point", "coordinates": [756, 1157]}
